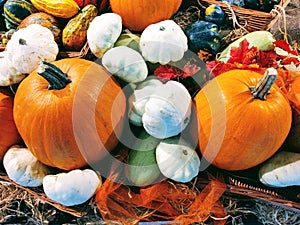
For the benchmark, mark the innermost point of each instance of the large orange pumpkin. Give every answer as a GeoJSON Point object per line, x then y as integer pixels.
{"type": "Point", "coordinates": [8, 132]}
{"type": "Point", "coordinates": [70, 115]}
{"type": "Point", "coordinates": [137, 15]}
{"type": "Point", "coordinates": [293, 139]}
{"type": "Point", "coordinates": [242, 121]}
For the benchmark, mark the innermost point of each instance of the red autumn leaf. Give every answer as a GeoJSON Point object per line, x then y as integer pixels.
{"type": "Point", "coordinates": [267, 58]}
{"type": "Point", "coordinates": [290, 60]}
{"type": "Point", "coordinates": [243, 54]}
{"type": "Point", "coordinates": [285, 46]}
{"type": "Point", "coordinates": [189, 70]}
{"type": "Point", "coordinates": [216, 68]}
{"type": "Point", "coordinates": [166, 72]}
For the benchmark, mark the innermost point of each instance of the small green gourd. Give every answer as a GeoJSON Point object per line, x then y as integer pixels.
{"type": "Point", "coordinates": [142, 169]}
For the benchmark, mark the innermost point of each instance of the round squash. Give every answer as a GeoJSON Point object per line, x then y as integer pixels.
{"type": "Point", "coordinates": [242, 119]}
{"type": "Point", "coordinates": [8, 132]}
{"type": "Point", "coordinates": [137, 15]}
{"type": "Point", "coordinates": [44, 19]}
{"type": "Point", "coordinates": [70, 113]}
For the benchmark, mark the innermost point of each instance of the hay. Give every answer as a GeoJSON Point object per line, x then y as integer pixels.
{"type": "Point", "coordinates": [18, 206]}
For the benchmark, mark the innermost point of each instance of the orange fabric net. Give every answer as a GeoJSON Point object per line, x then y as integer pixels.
{"type": "Point", "coordinates": [163, 201]}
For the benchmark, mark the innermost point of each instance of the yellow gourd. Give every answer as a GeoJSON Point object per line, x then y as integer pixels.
{"type": "Point", "coordinates": [58, 8]}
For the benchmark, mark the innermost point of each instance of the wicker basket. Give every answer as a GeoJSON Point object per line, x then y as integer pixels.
{"type": "Point", "coordinates": [252, 20]}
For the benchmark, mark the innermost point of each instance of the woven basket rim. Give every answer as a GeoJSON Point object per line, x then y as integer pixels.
{"type": "Point", "coordinates": [251, 12]}
{"type": "Point", "coordinates": [253, 19]}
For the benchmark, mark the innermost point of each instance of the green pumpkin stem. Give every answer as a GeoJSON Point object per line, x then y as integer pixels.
{"type": "Point", "coordinates": [22, 41]}
{"type": "Point", "coordinates": [57, 79]}
{"type": "Point", "coordinates": [263, 86]}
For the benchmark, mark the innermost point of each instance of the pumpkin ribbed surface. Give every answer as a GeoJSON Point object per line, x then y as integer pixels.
{"type": "Point", "coordinates": [58, 8]}
{"type": "Point", "coordinates": [137, 15]}
{"type": "Point", "coordinates": [15, 11]}
{"type": "Point", "coordinates": [74, 33]}
{"type": "Point", "coordinates": [75, 125]}
{"type": "Point", "coordinates": [44, 19]}
{"type": "Point", "coordinates": [8, 132]}
{"type": "Point", "coordinates": [236, 130]}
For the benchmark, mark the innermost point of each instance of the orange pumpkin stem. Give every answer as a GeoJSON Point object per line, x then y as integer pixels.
{"type": "Point", "coordinates": [263, 86]}
{"type": "Point", "coordinates": [56, 78]}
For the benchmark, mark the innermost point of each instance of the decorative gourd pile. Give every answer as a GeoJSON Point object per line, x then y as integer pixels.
{"type": "Point", "coordinates": [142, 91]}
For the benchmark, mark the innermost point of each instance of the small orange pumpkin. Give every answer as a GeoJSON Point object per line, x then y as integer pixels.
{"type": "Point", "coordinates": [70, 113]}
{"type": "Point", "coordinates": [9, 134]}
{"type": "Point", "coordinates": [137, 15]}
{"type": "Point", "coordinates": [243, 119]}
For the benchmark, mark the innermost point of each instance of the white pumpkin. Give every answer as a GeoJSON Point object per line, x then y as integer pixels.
{"type": "Point", "coordinates": [177, 160]}
{"type": "Point", "coordinates": [282, 170]}
{"type": "Point", "coordinates": [139, 98]}
{"type": "Point", "coordinates": [125, 63]}
{"type": "Point", "coordinates": [23, 168]}
{"type": "Point", "coordinates": [103, 32]}
{"type": "Point", "coordinates": [163, 42]}
{"type": "Point", "coordinates": [167, 111]}
{"type": "Point", "coordinates": [72, 188]}
{"type": "Point", "coordinates": [29, 46]}
{"type": "Point", "coordinates": [8, 73]}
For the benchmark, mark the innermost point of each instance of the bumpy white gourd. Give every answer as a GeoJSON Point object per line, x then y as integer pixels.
{"type": "Point", "coordinates": [72, 188]}
{"type": "Point", "coordinates": [177, 160]}
{"type": "Point", "coordinates": [282, 170]}
{"type": "Point", "coordinates": [103, 32]}
{"type": "Point", "coordinates": [29, 46]}
{"type": "Point", "coordinates": [8, 73]}
{"type": "Point", "coordinates": [125, 63]}
{"type": "Point", "coordinates": [163, 42]}
{"type": "Point", "coordinates": [167, 111]}
{"type": "Point", "coordinates": [139, 98]}
{"type": "Point", "coordinates": [23, 168]}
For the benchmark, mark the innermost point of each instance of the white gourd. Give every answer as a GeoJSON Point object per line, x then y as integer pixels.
{"type": "Point", "coordinates": [125, 63]}
{"type": "Point", "coordinates": [103, 32]}
{"type": "Point", "coordinates": [168, 110]}
{"type": "Point", "coordinates": [72, 188]}
{"type": "Point", "coordinates": [282, 170]}
{"type": "Point", "coordinates": [177, 160]}
{"type": "Point", "coordinates": [139, 98]}
{"type": "Point", "coordinates": [8, 73]}
{"type": "Point", "coordinates": [163, 42]}
{"type": "Point", "coordinates": [24, 168]}
{"type": "Point", "coordinates": [29, 46]}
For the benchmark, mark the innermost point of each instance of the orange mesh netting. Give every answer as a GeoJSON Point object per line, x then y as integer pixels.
{"type": "Point", "coordinates": [161, 201]}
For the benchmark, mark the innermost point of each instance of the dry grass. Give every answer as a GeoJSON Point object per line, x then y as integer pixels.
{"type": "Point", "coordinates": [17, 206]}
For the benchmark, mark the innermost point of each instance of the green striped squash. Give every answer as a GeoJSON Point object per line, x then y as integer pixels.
{"type": "Point", "coordinates": [15, 11]}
